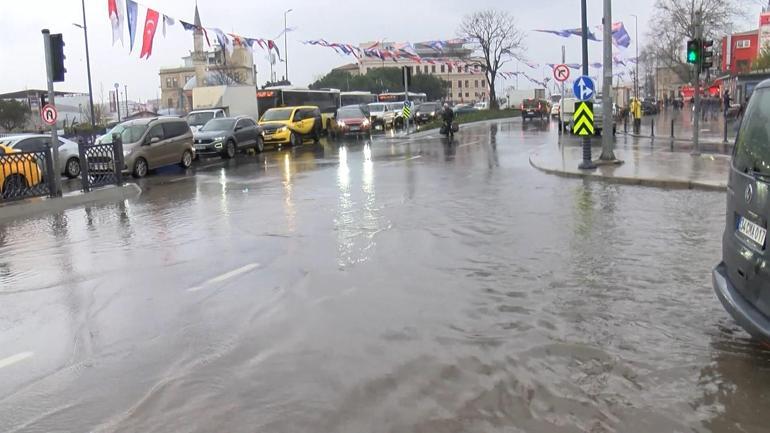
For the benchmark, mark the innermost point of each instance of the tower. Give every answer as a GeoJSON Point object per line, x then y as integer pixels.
{"type": "Point", "coordinates": [198, 55]}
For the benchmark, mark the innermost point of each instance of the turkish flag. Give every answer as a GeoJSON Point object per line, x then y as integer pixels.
{"type": "Point", "coordinates": [150, 25]}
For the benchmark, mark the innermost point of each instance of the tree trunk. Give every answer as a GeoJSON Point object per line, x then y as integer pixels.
{"type": "Point", "coordinates": [493, 104]}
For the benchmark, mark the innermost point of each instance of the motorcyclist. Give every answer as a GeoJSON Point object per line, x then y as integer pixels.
{"type": "Point", "coordinates": [448, 116]}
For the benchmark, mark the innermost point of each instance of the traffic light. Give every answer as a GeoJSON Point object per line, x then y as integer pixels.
{"type": "Point", "coordinates": [693, 51]}
{"type": "Point", "coordinates": [57, 58]}
{"type": "Point", "coordinates": [707, 55]}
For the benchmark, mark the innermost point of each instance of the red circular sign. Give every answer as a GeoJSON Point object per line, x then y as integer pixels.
{"type": "Point", "coordinates": [49, 115]}
{"type": "Point", "coordinates": [561, 73]}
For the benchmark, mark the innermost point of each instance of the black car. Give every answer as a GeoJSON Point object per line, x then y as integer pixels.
{"type": "Point", "coordinates": [464, 109]}
{"type": "Point", "coordinates": [426, 112]}
{"type": "Point", "coordinates": [650, 106]}
{"type": "Point", "coordinates": [226, 135]}
{"type": "Point", "coordinates": [742, 279]}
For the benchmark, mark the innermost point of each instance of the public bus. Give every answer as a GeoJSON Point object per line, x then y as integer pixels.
{"type": "Point", "coordinates": [417, 98]}
{"type": "Point", "coordinates": [357, 98]}
{"type": "Point", "coordinates": [327, 100]}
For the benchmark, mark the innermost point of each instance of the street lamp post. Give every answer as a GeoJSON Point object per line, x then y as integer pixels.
{"type": "Point", "coordinates": [117, 99]}
{"type": "Point", "coordinates": [636, 43]}
{"type": "Point", "coordinates": [286, 42]}
{"type": "Point", "coordinates": [88, 67]}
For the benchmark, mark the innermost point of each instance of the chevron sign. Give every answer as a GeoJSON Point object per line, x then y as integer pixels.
{"type": "Point", "coordinates": [583, 119]}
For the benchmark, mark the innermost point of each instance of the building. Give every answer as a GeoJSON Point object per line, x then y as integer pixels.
{"type": "Point", "coordinates": [71, 107]}
{"type": "Point", "coordinates": [466, 84]}
{"type": "Point", "coordinates": [739, 51]}
{"type": "Point", "coordinates": [668, 83]}
{"type": "Point", "coordinates": [350, 68]}
{"type": "Point", "coordinates": [203, 68]}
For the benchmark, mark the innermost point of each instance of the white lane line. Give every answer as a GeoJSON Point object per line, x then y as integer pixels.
{"type": "Point", "coordinates": [414, 157]}
{"type": "Point", "coordinates": [224, 277]}
{"type": "Point", "coordinates": [469, 144]}
{"type": "Point", "coordinates": [9, 361]}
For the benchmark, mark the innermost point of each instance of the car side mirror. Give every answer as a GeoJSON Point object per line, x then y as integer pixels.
{"type": "Point", "coordinates": [152, 140]}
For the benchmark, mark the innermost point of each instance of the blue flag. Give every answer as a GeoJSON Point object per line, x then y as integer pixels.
{"type": "Point", "coordinates": [132, 10]}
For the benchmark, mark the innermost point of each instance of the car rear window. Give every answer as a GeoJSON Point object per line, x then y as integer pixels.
{"type": "Point", "coordinates": [752, 147]}
{"type": "Point", "coordinates": [349, 114]}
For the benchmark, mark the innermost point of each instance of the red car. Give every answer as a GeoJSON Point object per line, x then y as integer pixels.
{"type": "Point", "coordinates": [350, 120]}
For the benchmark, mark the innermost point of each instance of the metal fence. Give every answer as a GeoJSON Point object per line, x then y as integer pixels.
{"type": "Point", "coordinates": [102, 164]}
{"type": "Point", "coordinates": [26, 174]}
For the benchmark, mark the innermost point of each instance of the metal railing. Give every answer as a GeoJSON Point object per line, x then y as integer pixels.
{"type": "Point", "coordinates": [102, 164]}
{"type": "Point", "coordinates": [26, 174]}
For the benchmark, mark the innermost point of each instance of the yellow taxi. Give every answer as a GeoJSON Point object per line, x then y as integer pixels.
{"type": "Point", "coordinates": [17, 173]}
{"type": "Point", "coordinates": [291, 125]}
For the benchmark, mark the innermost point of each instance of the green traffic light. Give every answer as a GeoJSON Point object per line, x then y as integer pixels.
{"type": "Point", "coordinates": [692, 56]}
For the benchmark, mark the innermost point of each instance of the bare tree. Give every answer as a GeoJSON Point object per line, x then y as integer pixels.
{"type": "Point", "coordinates": [672, 24]}
{"type": "Point", "coordinates": [99, 114]}
{"type": "Point", "coordinates": [226, 76]}
{"type": "Point", "coordinates": [495, 34]}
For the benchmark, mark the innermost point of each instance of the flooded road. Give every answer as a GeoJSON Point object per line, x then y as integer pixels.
{"type": "Point", "coordinates": [391, 286]}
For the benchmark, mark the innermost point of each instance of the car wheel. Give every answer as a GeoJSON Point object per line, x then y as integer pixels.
{"type": "Point", "coordinates": [72, 168]}
{"type": "Point", "coordinates": [317, 129]}
{"type": "Point", "coordinates": [295, 139]}
{"type": "Point", "coordinates": [14, 186]}
{"type": "Point", "coordinates": [187, 159]}
{"type": "Point", "coordinates": [229, 150]}
{"type": "Point", "coordinates": [260, 146]}
{"type": "Point", "coordinates": [140, 168]}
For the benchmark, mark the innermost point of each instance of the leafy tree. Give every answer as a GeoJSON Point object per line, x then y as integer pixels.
{"type": "Point", "coordinates": [495, 34]}
{"type": "Point", "coordinates": [763, 60]}
{"type": "Point", "coordinates": [379, 80]}
{"type": "Point", "coordinates": [13, 114]}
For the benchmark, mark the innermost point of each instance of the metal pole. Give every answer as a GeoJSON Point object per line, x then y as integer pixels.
{"type": "Point", "coordinates": [125, 98]}
{"type": "Point", "coordinates": [54, 139]}
{"type": "Point", "coordinates": [88, 69]}
{"type": "Point", "coordinates": [636, 43]}
{"type": "Point", "coordinates": [607, 136]}
{"type": "Point", "coordinates": [117, 99]}
{"type": "Point", "coordinates": [696, 113]}
{"type": "Point", "coordinates": [586, 163]}
{"type": "Point", "coordinates": [286, 43]}
{"type": "Point", "coordinates": [406, 96]}
{"type": "Point", "coordinates": [561, 103]}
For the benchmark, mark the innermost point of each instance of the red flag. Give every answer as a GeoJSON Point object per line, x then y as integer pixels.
{"type": "Point", "coordinates": [150, 25]}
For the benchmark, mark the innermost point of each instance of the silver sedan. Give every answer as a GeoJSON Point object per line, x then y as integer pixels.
{"type": "Point", "coordinates": [69, 158]}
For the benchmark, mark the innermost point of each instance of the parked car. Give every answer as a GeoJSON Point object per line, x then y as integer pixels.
{"type": "Point", "coordinates": [291, 125]}
{"type": "Point", "coordinates": [151, 143]}
{"type": "Point", "coordinates": [350, 119]}
{"type": "Point", "coordinates": [464, 109]}
{"type": "Point", "coordinates": [598, 110]}
{"type": "Point", "coordinates": [742, 279]}
{"type": "Point", "coordinates": [69, 157]}
{"type": "Point", "coordinates": [427, 111]}
{"type": "Point", "coordinates": [196, 119]}
{"type": "Point", "coordinates": [482, 106]}
{"type": "Point", "coordinates": [226, 135]}
{"type": "Point", "coordinates": [650, 106]}
{"type": "Point", "coordinates": [535, 109]}
{"type": "Point", "coordinates": [17, 173]}
{"type": "Point", "coordinates": [381, 116]}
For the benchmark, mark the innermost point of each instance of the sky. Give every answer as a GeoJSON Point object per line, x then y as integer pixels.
{"type": "Point", "coordinates": [21, 44]}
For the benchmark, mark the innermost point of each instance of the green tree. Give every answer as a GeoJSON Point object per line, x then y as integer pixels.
{"type": "Point", "coordinates": [379, 80]}
{"type": "Point", "coordinates": [13, 114]}
{"type": "Point", "coordinates": [763, 61]}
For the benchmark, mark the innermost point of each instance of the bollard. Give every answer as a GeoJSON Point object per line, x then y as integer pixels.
{"type": "Point", "coordinates": [83, 167]}
{"type": "Point", "coordinates": [50, 172]}
{"type": "Point", "coordinates": [117, 159]}
{"type": "Point", "coordinates": [725, 139]}
{"type": "Point", "coordinates": [672, 129]}
{"type": "Point", "coordinates": [652, 127]}
{"type": "Point", "coordinates": [625, 124]}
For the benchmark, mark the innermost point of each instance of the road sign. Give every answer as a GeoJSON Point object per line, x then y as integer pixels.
{"type": "Point", "coordinates": [407, 111]}
{"type": "Point", "coordinates": [561, 73]}
{"type": "Point", "coordinates": [583, 119]}
{"type": "Point", "coordinates": [584, 88]}
{"type": "Point", "coordinates": [49, 114]}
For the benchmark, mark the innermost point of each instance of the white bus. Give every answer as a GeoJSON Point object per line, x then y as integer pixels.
{"type": "Point", "coordinates": [357, 98]}
{"type": "Point", "coordinates": [327, 100]}
{"type": "Point", "coordinates": [417, 98]}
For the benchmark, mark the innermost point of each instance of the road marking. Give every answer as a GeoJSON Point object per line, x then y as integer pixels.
{"type": "Point", "coordinates": [7, 362]}
{"type": "Point", "coordinates": [414, 157]}
{"type": "Point", "coordinates": [224, 277]}
{"type": "Point", "coordinates": [469, 143]}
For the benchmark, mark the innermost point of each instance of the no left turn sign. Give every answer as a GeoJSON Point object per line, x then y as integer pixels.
{"type": "Point", "coordinates": [49, 114]}
{"type": "Point", "coordinates": [561, 73]}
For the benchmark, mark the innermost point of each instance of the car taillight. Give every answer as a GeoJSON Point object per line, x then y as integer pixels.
{"type": "Point", "coordinates": [539, 107]}
{"type": "Point", "coordinates": [522, 106]}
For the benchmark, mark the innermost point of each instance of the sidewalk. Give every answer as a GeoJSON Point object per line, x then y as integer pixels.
{"type": "Point", "coordinates": [643, 165]}
{"type": "Point", "coordinates": [711, 129]}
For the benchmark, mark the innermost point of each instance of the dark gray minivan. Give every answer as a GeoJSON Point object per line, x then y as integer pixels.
{"type": "Point", "coordinates": [742, 280]}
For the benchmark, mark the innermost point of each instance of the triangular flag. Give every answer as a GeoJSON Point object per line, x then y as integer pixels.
{"type": "Point", "coordinates": [167, 20]}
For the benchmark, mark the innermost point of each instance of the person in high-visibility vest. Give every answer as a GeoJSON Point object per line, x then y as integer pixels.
{"type": "Point", "coordinates": [636, 113]}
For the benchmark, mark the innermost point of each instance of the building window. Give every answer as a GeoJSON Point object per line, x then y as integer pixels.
{"type": "Point", "coordinates": [433, 69]}
{"type": "Point", "coordinates": [483, 84]}
{"type": "Point", "coordinates": [442, 69]}
{"type": "Point", "coordinates": [425, 69]}
{"type": "Point", "coordinates": [460, 95]}
{"type": "Point", "coordinates": [467, 83]}
{"type": "Point", "coordinates": [476, 83]}
{"type": "Point", "coordinates": [466, 69]}
{"type": "Point", "coordinates": [175, 82]}
{"type": "Point", "coordinates": [168, 82]}
{"type": "Point", "coordinates": [467, 95]}
{"type": "Point", "coordinates": [460, 83]}
{"type": "Point", "coordinates": [170, 103]}
{"type": "Point", "coordinates": [743, 43]}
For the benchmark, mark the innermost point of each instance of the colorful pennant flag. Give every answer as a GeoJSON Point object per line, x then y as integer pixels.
{"type": "Point", "coordinates": [115, 10]}
{"type": "Point", "coordinates": [620, 36]}
{"type": "Point", "coordinates": [150, 26]}
{"type": "Point", "coordinates": [132, 10]}
{"type": "Point", "coordinates": [167, 20]}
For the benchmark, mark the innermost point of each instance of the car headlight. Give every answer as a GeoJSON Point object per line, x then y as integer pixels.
{"type": "Point", "coordinates": [432, 113]}
{"type": "Point", "coordinates": [341, 123]}
{"type": "Point", "coordinates": [282, 129]}
{"type": "Point", "coordinates": [365, 122]}
{"type": "Point", "coordinates": [218, 139]}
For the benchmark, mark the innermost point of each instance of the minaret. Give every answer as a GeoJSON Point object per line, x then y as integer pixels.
{"type": "Point", "coordinates": [198, 55]}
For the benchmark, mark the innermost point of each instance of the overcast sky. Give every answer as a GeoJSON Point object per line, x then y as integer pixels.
{"type": "Point", "coordinates": [21, 45]}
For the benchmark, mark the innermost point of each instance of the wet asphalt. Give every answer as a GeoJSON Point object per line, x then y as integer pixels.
{"type": "Point", "coordinates": [391, 285]}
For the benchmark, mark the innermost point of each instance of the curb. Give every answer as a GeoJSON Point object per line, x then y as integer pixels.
{"type": "Point", "coordinates": [681, 140]}
{"type": "Point", "coordinates": [655, 183]}
{"type": "Point", "coordinates": [32, 206]}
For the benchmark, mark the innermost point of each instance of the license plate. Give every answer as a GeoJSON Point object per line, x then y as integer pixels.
{"type": "Point", "coordinates": [752, 231]}
{"type": "Point", "coordinates": [355, 128]}
{"type": "Point", "coordinates": [201, 147]}
{"type": "Point", "coordinates": [530, 112]}
{"type": "Point", "coordinates": [378, 127]}
{"type": "Point", "coordinates": [100, 167]}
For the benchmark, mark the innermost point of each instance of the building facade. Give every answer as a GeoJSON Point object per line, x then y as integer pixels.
{"type": "Point", "coordinates": [203, 68]}
{"type": "Point", "coordinates": [466, 84]}
{"type": "Point", "coordinates": [739, 51]}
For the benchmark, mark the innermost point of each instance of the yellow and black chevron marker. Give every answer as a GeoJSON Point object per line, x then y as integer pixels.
{"type": "Point", "coordinates": [583, 119]}
{"type": "Point", "coordinates": [407, 111]}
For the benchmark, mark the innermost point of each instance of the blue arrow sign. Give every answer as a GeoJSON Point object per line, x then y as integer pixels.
{"type": "Point", "coordinates": [584, 88]}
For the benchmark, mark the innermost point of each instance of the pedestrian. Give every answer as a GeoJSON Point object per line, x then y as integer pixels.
{"type": "Point", "coordinates": [636, 112]}
{"type": "Point", "coordinates": [726, 102]}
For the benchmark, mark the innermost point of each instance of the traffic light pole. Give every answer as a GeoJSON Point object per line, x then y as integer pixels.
{"type": "Point", "coordinates": [54, 139]}
{"type": "Point", "coordinates": [405, 72]}
{"type": "Point", "coordinates": [696, 103]}
{"type": "Point", "coordinates": [586, 163]}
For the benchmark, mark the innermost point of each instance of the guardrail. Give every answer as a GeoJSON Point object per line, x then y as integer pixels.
{"type": "Point", "coordinates": [26, 174]}
{"type": "Point", "coordinates": [102, 164]}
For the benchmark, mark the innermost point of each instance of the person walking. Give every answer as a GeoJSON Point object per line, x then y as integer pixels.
{"type": "Point", "coordinates": [636, 112]}
{"type": "Point", "coordinates": [726, 102]}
